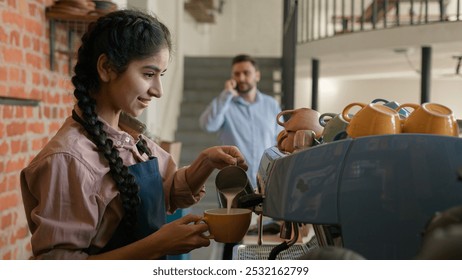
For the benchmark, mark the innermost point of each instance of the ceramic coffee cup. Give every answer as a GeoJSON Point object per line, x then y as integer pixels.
{"type": "Point", "coordinates": [280, 139]}
{"type": "Point", "coordinates": [287, 142]}
{"type": "Point", "coordinates": [403, 113]}
{"type": "Point", "coordinates": [371, 119]}
{"type": "Point", "coordinates": [304, 139]}
{"type": "Point", "coordinates": [459, 124]}
{"type": "Point", "coordinates": [300, 119]}
{"type": "Point", "coordinates": [298, 140]}
{"type": "Point", "coordinates": [227, 227]}
{"type": "Point", "coordinates": [431, 118]}
{"type": "Point", "coordinates": [333, 124]}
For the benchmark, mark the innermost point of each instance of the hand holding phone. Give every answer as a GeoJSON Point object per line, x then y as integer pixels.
{"type": "Point", "coordinates": [231, 85]}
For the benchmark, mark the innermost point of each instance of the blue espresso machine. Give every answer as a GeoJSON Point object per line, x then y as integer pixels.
{"type": "Point", "coordinates": [373, 195]}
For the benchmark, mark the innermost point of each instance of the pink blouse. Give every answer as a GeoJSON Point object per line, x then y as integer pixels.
{"type": "Point", "coordinates": [71, 200]}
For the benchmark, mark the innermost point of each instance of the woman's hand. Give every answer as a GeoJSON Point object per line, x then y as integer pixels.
{"type": "Point", "coordinates": [182, 235]}
{"type": "Point", "coordinates": [222, 156]}
{"type": "Point", "coordinates": [210, 159]}
{"type": "Point", "coordinates": [178, 237]}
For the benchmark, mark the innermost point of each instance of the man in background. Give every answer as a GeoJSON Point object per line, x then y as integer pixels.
{"type": "Point", "coordinates": [244, 117]}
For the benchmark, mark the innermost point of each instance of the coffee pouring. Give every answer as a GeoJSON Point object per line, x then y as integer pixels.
{"type": "Point", "coordinates": [232, 183]}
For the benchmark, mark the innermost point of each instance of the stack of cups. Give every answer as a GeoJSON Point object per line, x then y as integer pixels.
{"type": "Point", "coordinates": [305, 121]}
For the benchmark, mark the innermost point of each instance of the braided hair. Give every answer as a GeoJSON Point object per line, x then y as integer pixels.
{"type": "Point", "coordinates": [123, 36]}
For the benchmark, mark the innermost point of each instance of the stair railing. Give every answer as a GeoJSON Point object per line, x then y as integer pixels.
{"type": "Point", "coordinates": [319, 19]}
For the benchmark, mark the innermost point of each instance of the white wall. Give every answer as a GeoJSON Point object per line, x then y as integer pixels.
{"type": "Point", "coordinates": [161, 116]}
{"type": "Point", "coordinates": [244, 26]}
{"type": "Point", "coordinates": [335, 94]}
{"type": "Point", "coordinates": [121, 4]}
{"type": "Point", "coordinates": [252, 26]}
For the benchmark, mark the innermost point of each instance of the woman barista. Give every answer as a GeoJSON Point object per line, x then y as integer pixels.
{"type": "Point", "coordinates": [100, 189]}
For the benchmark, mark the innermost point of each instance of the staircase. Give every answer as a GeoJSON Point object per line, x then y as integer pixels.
{"type": "Point", "coordinates": [204, 79]}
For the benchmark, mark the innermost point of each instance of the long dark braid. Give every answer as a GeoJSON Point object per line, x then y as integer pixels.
{"type": "Point", "coordinates": [123, 36]}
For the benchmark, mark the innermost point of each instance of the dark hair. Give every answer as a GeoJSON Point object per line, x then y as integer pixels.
{"type": "Point", "coordinates": [123, 36]}
{"type": "Point", "coordinates": [245, 58]}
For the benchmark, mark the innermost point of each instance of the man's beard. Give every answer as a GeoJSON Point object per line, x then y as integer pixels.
{"type": "Point", "coordinates": [244, 91]}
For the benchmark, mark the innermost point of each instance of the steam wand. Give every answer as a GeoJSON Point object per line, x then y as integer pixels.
{"type": "Point", "coordinates": [286, 244]}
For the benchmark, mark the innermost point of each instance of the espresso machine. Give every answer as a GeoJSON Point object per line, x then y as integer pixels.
{"type": "Point", "coordinates": [373, 195]}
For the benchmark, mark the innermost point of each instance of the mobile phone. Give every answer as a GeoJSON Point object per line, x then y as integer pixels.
{"type": "Point", "coordinates": [236, 87]}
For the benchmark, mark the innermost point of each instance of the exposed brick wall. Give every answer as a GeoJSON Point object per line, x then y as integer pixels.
{"type": "Point", "coordinates": [24, 130]}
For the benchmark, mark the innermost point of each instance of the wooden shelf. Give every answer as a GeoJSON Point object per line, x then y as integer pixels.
{"type": "Point", "coordinates": [69, 17]}
{"type": "Point", "coordinates": [74, 25]}
{"type": "Point", "coordinates": [200, 10]}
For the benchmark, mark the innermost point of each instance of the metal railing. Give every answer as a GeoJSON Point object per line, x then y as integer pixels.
{"type": "Point", "coordinates": [319, 19]}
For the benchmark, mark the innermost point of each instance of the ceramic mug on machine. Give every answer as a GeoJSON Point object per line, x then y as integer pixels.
{"type": "Point", "coordinates": [304, 139]}
{"type": "Point", "coordinates": [333, 125]}
{"type": "Point", "coordinates": [282, 140]}
{"type": "Point", "coordinates": [431, 118]}
{"type": "Point", "coordinates": [300, 119]}
{"type": "Point", "coordinates": [403, 113]}
{"type": "Point", "coordinates": [459, 124]}
{"type": "Point", "coordinates": [286, 141]}
{"type": "Point", "coordinates": [294, 141]}
{"type": "Point", "coordinates": [371, 119]}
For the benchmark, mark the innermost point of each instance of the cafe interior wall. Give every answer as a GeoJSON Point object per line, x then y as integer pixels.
{"type": "Point", "coordinates": [385, 64]}
{"type": "Point", "coordinates": [241, 27]}
{"type": "Point", "coordinates": [234, 32]}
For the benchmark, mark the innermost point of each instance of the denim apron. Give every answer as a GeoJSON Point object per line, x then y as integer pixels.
{"type": "Point", "coordinates": [151, 212]}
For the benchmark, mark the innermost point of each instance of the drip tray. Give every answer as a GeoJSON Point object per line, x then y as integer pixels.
{"type": "Point", "coordinates": [262, 252]}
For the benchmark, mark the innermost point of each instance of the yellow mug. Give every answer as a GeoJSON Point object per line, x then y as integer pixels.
{"type": "Point", "coordinates": [227, 227]}
{"type": "Point", "coordinates": [431, 118]}
{"type": "Point", "coordinates": [371, 119]}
